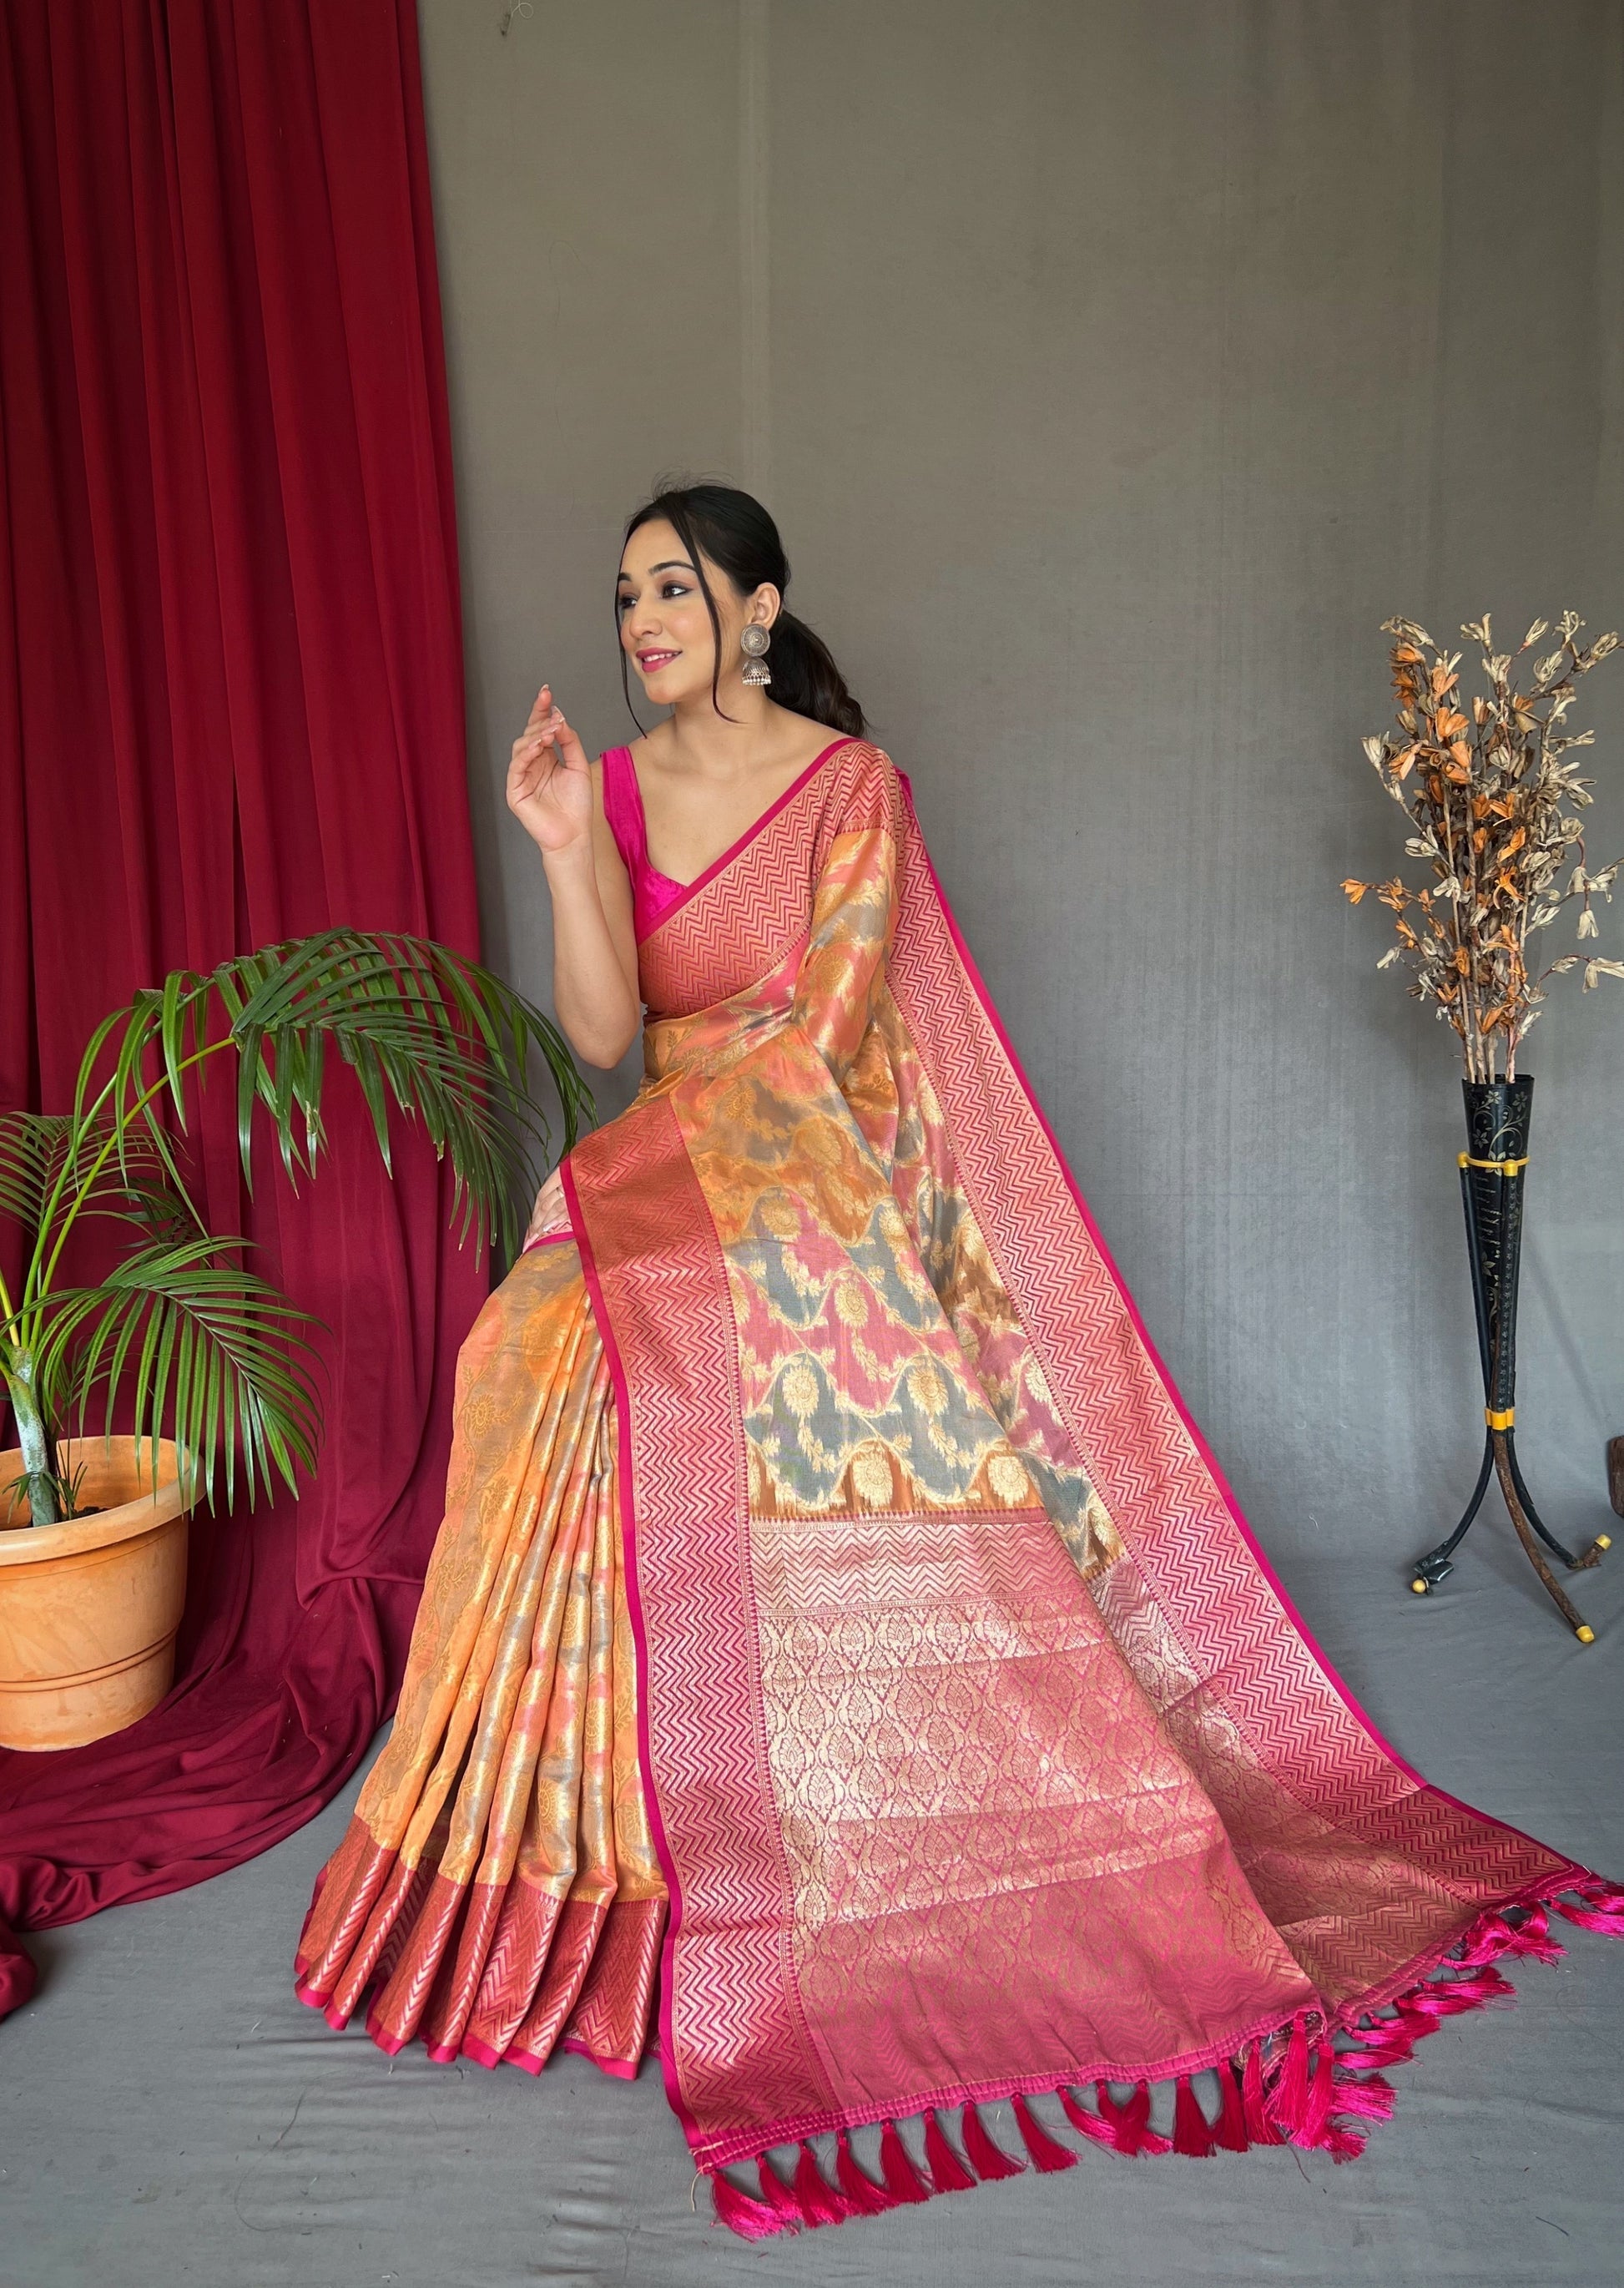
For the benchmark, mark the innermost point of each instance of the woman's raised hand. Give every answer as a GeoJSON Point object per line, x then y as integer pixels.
{"type": "Point", "coordinates": [550, 783]}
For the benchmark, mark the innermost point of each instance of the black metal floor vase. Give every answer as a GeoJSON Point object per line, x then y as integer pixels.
{"type": "Point", "coordinates": [1491, 1168]}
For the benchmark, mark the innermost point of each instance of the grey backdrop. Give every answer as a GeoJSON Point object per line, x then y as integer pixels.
{"type": "Point", "coordinates": [1113, 370]}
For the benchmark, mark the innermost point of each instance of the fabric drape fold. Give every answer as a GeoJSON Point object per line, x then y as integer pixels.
{"type": "Point", "coordinates": [231, 710]}
{"type": "Point", "coordinates": [497, 1891]}
{"type": "Point", "coordinates": [980, 1753]}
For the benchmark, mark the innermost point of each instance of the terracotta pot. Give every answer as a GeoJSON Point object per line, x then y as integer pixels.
{"type": "Point", "coordinates": [89, 1609]}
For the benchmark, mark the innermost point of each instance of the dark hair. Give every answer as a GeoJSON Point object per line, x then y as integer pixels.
{"type": "Point", "coordinates": [734, 530]}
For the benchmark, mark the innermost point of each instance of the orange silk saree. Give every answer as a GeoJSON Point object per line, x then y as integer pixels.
{"type": "Point", "coordinates": [841, 1638]}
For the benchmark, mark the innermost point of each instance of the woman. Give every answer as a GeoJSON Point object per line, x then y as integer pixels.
{"type": "Point", "coordinates": [838, 1628]}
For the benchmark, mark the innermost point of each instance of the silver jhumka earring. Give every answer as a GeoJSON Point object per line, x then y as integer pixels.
{"type": "Point", "coordinates": [753, 641]}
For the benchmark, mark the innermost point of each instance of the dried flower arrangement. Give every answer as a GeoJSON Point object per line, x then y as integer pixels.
{"type": "Point", "coordinates": [1490, 794]}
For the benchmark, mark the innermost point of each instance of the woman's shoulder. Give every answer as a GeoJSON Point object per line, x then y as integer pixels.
{"type": "Point", "coordinates": [853, 749]}
{"type": "Point", "coordinates": [614, 776]}
{"type": "Point", "coordinates": [617, 810]}
{"type": "Point", "coordinates": [612, 764]}
{"type": "Point", "coordinates": [866, 753]}
{"type": "Point", "coordinates": [863, 757]}
{"type": "Point", "coordinates": [866, 786]}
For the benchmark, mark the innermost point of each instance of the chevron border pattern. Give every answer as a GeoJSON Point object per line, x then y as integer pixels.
{"type": "Point", "coordinates": [1167, 1503]}
{"type": "Point", "coordinates": [660, 1269]}
{"type": "Point", "coordinates": [742, 922]}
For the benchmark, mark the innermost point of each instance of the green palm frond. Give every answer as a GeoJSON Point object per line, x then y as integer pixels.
{"type": "Point", "coordinates": [443, 1039]}
{"type": "Point", "coordinates": [209, 1348]}
{"type": "Point", "coordinates": [32, 1148]}
{"type": "Point", "coordinates": [48, 1163]}
{"type": "Point", "coordinates": [206, 1350]}
{"type": "Point", "coordinates": [159, 1210]}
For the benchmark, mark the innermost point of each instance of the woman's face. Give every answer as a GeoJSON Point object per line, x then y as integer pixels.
{"type": "Point", "coordinates": [665, 628]}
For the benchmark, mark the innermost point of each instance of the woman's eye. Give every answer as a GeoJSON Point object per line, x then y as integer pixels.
{"type": "Point", "coordinates": [673, 588]}
{"type": "Point", "coordinates": [622, 604]}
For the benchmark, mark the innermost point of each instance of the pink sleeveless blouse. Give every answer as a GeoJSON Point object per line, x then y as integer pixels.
{"type": "Point", "coordinates": [651, 892]}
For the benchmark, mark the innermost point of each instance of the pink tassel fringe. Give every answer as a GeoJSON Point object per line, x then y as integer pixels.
{"type": "Point", "coordinates": [821, 2203]}
{"type": "Point", "coordinates": [750, 2220]}
{"type": "Point", "coordinates": [1229, 2131]}
{"type": "Point", "coordinates": [1192, 2134]}
{"type": "Point", "coordinates": [949, 2174]}
{"type": "Point", "coordinates": [1372, 2099]}
{"type": "Point", "coordinates": [1296, 2091]}
{"type": "Point", "coordinates": [1496, 1936]}
{"type": "Point", "coordinates": [1130, 2122]}
{"type": "Point", "coordinates": [1046, 2153]}
{"type": "Point", "coordinates": [1603, 1911]}
{"type": "Point", "coordinates": [778, 2196]}
{"type": "Point", "coordinates": [901, 2178]}
{"type": "Point", "coordinates": [1260, 2129]}
{"type": "Point", "coordinates": [866, 2197]}
{"type": "Point", "coordinates": [1088, 2124]}
{"type": "Point", "coordinates": [988, 2161]}
{"type": "Point", "coordinates": [1287, 2103]}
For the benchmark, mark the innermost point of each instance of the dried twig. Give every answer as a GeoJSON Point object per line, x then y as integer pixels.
{"type": "Point", "coordinates": [1491, 795]}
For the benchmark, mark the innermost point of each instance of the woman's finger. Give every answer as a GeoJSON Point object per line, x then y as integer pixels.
{"type": "Point", "coordinates": [535, 743]}
{"type": "Point", "coordinates": [571, 753]}
{"type": "Point", "coordinates": [533, 755]}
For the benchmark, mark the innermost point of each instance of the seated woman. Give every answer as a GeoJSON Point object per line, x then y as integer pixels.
{"type": "Point", "coordinates": [839, 1639]}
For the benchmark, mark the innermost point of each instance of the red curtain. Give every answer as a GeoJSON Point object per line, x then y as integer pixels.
{"type": "Point", "coordinates": [231, 710]}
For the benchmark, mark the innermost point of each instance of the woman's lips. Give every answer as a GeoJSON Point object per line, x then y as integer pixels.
{"type": "Point", "coordinates": [648, 661]}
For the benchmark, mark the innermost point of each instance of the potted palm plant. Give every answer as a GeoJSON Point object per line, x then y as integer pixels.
{"type": "Point", "coordinates": [212, 1366]}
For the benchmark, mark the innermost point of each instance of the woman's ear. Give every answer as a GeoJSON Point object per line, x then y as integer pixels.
{"type": "Point", "coordinates": [765, 605]}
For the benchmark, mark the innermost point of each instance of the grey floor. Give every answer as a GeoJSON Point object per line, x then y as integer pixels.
{"type": "Point", "coordinates": [169, 2113]}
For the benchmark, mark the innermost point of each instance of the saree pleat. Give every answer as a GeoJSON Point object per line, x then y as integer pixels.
{"type": "Point", "coordinates": [528, 1744]}
{"type": "Point", "coordinates": [612, 2013]}
{"type": "Point", "coordinates": [477, 1876]}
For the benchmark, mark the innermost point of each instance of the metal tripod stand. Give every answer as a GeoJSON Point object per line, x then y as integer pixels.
{"type": "Point", "coordinates": [1491, 1171]}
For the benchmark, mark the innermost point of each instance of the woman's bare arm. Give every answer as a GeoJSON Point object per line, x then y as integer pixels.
{"type": "Point", "coordinates": [550, 791]}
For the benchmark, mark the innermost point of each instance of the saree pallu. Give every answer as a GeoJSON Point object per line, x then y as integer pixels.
{"type": "Point", "coordinates": [840, 1628]}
